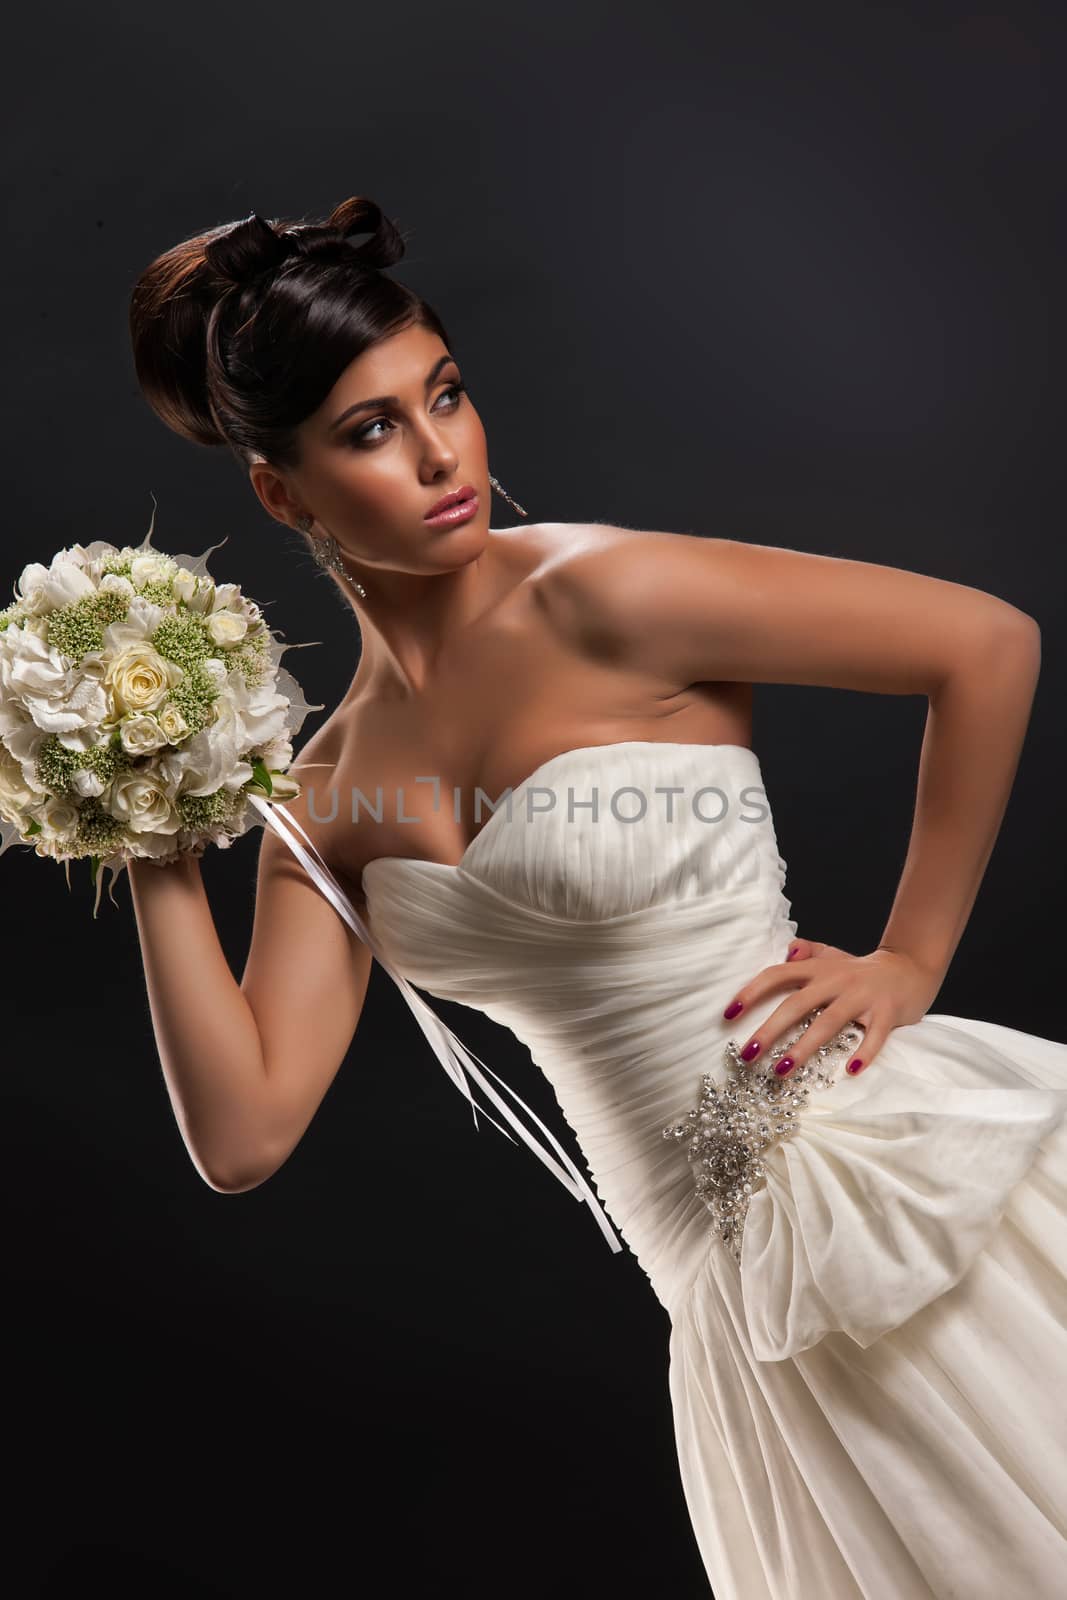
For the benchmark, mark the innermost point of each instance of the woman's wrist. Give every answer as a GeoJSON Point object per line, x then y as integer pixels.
{"type": "Point", "coordinates": [933, 967]}
{"type": "Point", "coordinates": [146, 872]}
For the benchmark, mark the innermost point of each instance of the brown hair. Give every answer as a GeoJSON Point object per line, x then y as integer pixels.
{"type": "Point", "coordinates": [240, 333]}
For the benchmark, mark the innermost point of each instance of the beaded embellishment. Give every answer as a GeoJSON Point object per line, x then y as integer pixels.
{"type": "Point", "coordinates": [733, 1125]}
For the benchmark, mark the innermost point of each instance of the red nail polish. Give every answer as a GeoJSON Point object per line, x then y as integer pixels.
{"type": "Point", "coordinates": [854, 1066]}
{"type": "Point", "coordinates": [733, 1010]}
{"type": "Point", "coordinates": [785, 1065]}
{"type": "Point", "coordinates": [751, 1051]}
{"type": "Point", "coordinates": [791, 954]}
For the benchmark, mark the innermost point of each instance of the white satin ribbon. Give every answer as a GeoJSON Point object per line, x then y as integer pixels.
{"type": "Point", "coordinates": [447, 1047]}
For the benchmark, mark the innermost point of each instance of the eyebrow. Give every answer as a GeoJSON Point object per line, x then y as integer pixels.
{"type": "Point", "coordinates": [389, 399]}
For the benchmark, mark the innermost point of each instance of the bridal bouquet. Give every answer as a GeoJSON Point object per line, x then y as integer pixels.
{"type": "Point", "coordinates": [141, 706]}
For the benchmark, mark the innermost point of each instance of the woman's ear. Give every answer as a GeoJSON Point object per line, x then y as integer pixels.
{"type": "Point", "coordinates": [272, 491]}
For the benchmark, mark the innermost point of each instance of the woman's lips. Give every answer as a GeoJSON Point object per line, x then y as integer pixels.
{"type": "Point", "coordinates": [454, 513]}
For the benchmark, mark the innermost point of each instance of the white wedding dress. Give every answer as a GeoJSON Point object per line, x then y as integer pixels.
{"type": "Point", "coordinates": [868, 1369]}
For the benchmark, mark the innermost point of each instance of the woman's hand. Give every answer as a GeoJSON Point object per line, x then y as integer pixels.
{"type": "Point", "coordinates": [881, 991]}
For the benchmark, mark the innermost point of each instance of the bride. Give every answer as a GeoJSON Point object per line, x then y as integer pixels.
{"type": "Point", "coordinates": [852, 1208]}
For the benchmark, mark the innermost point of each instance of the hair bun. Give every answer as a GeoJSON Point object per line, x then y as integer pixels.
{"type": "Point", "coordinates": [247, 249]}
{"type": "Point", "coordinates": [239, 332]}
{"type": "Point", "coordinates": [359, 214]}
{"type": "Point", "coordinates": [255, 245]}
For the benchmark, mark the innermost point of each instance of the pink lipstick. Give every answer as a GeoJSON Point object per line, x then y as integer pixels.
{"type": "Point", "coordinates": [456, 506]}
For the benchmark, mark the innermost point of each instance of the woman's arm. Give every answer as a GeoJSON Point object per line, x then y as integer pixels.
{"type": "Point", "coordinates": [703, 610]}
{"type": "Point", "coordinates": [246, 1065]}
{"type": "Point", "coordinates": [208, 1042]}
{"type": "Point", "coordinates": [975, 727]}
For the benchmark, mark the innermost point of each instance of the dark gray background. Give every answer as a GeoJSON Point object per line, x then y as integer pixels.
{"type": "Point", "coordinates": [777, 273]}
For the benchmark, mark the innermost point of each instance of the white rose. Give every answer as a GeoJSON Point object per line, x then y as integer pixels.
{"type": "Point", "coordinates": [117, 583]}
{"type": "Point", "coordinates": [58, 819]}
{"type": "Point", "coordinates": [87, 783]}
{"type": "Point", "coordinates": [140, 678]}
{"type": "Point", "coordinates": [142, 804]}
{"type": "Point", "coordinates": [30, 588]}
{"type": "Point", "coordinates": [184, 584]}
{"type": "Point", "coordinates": [216, 670]}
{"type": "Point", "coordinates": [42, 589]}
{"type": "Point", "coordinates": [141, 735]}
{"type": "Point", "coordinates": [226, 627]}
{"type": "Point", "coordinates": [149, 567]}
{"type": "Point", "coordinates": [172, 722]}
{"type": "Point", "coordinates": [224, 596]}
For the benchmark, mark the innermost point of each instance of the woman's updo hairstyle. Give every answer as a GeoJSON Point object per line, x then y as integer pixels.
{"type": "Point", "coordinates": [240, 333]}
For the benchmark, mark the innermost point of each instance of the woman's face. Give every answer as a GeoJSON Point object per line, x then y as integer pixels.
{"type": "Point", "coordinates": [369, 475]}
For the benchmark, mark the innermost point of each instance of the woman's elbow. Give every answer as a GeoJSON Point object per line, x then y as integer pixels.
{"type": "Point", "coordinates": [235, 1174]}
{"type": "Point", "coordinates": [1006, 636]}
{"type": "Point", "coordinates": [1024, 635]}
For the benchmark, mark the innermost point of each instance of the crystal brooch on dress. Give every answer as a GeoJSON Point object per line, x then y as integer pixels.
{"type": "Point", "coordinates": [736, 1122]}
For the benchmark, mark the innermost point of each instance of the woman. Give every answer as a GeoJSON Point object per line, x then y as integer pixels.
{"type": "Point", "coordinates": [858, 1230]}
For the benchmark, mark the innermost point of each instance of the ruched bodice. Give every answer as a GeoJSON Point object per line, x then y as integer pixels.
{"type": "Point", "coordinates": [606, 916]}
{"type": "Point", "coordinates": [607, 830]}
{"type": "Point", "coordinates": [604, 919]}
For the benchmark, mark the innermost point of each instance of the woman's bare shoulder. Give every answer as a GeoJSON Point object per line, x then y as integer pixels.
{"type": "Point", "coordinates": [565, 540]}
{"type": "Point", "coordinates": [533, 552]}
{"type": "Point", "coordinates": [535, 548]}
{"type": "Point", "coordinates": [574, 558]}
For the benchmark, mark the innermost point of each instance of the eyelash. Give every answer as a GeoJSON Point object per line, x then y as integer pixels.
{"type": "Point", "coordinates": [361, 435]}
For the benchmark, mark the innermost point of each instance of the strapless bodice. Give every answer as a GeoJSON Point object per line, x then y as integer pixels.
{"type": "Point", "coordinates": [602, 831]}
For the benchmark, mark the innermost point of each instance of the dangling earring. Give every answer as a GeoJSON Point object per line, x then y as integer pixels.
{"type": "Point", "coordinates": [327, 553]}
{"type": "Point", "coordinates": [499, 487]}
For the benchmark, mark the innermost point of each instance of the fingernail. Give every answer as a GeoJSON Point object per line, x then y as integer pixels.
{"type": "Point", "coordinates": [791, 954]}
{"type": "Point", "coordinates": [751, 1051]}
{"type": "Point", "coordinates": [785, 1065]}
{"type": "Point", "coordinates": [854, 1065]}
{"type": "Point", "coordinates": [733, 1010]}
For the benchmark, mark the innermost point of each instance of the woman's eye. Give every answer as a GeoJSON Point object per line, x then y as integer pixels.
{"type": "Point", "coordinates": [364, 434]}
